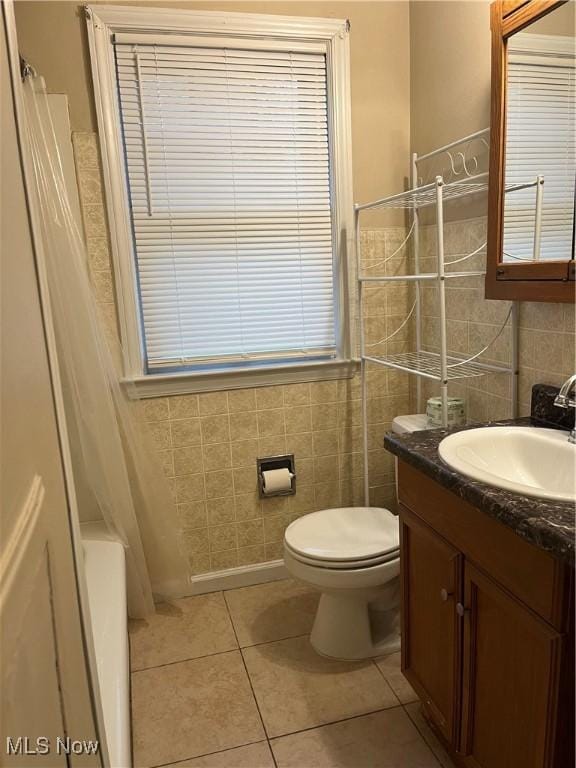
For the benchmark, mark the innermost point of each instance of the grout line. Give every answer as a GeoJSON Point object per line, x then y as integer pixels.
{"type": "Point", "coordinates": [276, 640]}
{"type": "Point", "coordinates": [340, 720]}
{"type": "Point", "coordinates": [270, 738]}
{"type": "Point", "coordinates": [250, 683]}
{"type": "Point", "coordinates": [381, 673]}
{"type": "Point", "coordinates": [184, 661]}
{"type": "Point", "coordinates": [207, 754]}
{"type": "Point", "coordinates": [267, 738]}
{"type": "Point", "coordinates": [421, 733]}
{"type": "Point", "coordinates": [271, 751]}
{"type": "Point", "coordinates": [219, 653]}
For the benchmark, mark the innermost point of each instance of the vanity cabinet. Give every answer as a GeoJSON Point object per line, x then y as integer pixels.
{"type": "Point", "coordinates": [509, 672]}
{"type": "Point", "coordinates": [488, 640]}
{"type": "Point", "coordinates": [431, 571]}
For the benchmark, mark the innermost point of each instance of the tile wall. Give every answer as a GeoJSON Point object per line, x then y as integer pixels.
{"type": "Point", "coordinates": [546, 335]}
{"type": "Point", "coordinates": [208, 443]}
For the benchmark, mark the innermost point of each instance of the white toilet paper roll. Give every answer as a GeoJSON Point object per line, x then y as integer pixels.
{"type": "Point", "coordinates": [277, 480]}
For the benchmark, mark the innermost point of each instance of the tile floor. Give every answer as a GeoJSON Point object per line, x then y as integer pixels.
{"type": "Point", "coordinates": [229, 680]}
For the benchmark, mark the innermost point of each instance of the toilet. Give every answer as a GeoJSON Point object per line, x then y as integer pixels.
{"type": "Point", "coordinates": [352, 556]}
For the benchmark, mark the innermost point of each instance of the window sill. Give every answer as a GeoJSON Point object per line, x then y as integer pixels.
{"type": "Point", "coordinates": [160, 385]}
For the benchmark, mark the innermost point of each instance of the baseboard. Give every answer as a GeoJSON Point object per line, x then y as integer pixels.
{"type": "Point", "coordinates": [232, 578]}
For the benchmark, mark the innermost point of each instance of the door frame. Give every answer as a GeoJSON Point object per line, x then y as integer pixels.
{"type": "Point", "coordinates": [55, 378]}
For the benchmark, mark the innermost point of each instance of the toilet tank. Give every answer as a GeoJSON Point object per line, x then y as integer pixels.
{"type": "Point", "coordinates": [410, 423]}
{"type": "Point", "coordinates": [402, 425]}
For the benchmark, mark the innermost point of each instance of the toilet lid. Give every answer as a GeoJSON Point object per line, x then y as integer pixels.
{"type": "Point", "coordinates": [349, 565]}
{"type": "Point", "coordinates": [344, 534]}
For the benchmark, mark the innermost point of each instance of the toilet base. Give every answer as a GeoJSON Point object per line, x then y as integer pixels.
{"type": "Point", "coordinates": [350, 626]}
{"type": "Point", "coordinates": [358, 613]}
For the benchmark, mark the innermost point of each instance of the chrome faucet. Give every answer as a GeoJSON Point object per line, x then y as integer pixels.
{"type": "Point", "coordinates": [564, 399]}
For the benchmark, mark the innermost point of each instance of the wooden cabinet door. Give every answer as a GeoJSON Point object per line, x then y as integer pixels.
{"type": "Point", "coordinates": [431, 571]}
{"type": "Point", "coordinates": [510, 670]}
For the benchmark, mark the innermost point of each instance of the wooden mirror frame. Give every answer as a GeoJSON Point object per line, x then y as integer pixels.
{"type": "Point", "coordinates": [545, 281]}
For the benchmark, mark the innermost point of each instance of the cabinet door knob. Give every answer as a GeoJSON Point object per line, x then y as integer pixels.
{"type": "Point", "coordinates": [444, 594]}
{"type": "Point", "coordinates": [460, 610]}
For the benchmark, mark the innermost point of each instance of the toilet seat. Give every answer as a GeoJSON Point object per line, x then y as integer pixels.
{"type": "Point", "coordinates": [343, 564]}
{"type": "Point", "coordinates": [344, 538]}
{"type": "Point", "coordinates": [342, 578]}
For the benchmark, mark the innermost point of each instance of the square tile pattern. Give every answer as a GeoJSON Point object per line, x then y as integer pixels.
{"type": "Point", "coordinates": [546, 330]}
{"type": "Point", "coordinates": [190, 708]}
{"type": "Point", "coordinates": [273, 611]}
{"type": "Point", "coordinates": [230, 680]}
{"type": "Point", "coordinates": [182, 630]}
{"type": "Point", "coordinates": [384, 739]}
{"type": "Point", "coordinates": [207, 444]}
{"type": "Point", "coordinates": [297, 689]}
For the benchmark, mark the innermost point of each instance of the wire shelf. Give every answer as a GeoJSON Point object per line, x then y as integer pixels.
{"type": "Point", "coordinates": [420, 197]}
{"type": "Point", "coordinates": [427, 364]}
{"type": "Point", "coordinates": [423, 276]}
{"type": "Point", "coordinates": [463, 179]}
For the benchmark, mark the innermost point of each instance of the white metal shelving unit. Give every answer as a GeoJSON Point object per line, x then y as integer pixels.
{"type": "Point", "coordinates": [438, 366]}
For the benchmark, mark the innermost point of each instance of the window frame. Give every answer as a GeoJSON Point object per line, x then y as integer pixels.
{"type": "Point", "coordinates": [103, 23]}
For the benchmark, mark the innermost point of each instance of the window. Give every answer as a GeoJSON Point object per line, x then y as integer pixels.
{"type": "Point", "coordinates": [540, 140]}
{"type": "Point", "coordinates": [226, 141]}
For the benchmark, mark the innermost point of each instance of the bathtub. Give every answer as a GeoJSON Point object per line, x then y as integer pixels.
{"type": "Point", "coordinates": [106, 583]}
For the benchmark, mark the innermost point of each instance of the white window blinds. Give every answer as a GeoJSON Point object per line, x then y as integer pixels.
{"type": "Point", "coordinates": [228, 167]}
{"type": "Point", "coordinates": [540, 140]}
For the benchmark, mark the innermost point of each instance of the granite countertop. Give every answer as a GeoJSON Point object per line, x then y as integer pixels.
{"type": "Point", "coordinates": [550, 525]}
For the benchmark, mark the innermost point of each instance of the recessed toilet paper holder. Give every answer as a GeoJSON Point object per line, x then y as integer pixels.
{"type": "Point", "coordinates": [276, 462]}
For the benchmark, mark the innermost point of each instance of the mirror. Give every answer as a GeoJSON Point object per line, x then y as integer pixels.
{"type": "Point", "coordinates": [540, 145]}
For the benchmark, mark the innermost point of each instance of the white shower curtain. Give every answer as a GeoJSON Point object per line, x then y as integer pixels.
{"type": "Point", "coordinates": [113, 457]}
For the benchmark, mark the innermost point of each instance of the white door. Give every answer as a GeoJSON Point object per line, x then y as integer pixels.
{"type": "Point", "coordinates": [46, 701]}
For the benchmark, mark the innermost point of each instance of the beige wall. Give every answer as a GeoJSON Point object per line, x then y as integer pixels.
{"type": "Point", "coordinates": [53, 37]}
{"type": "Point", "coordinates": [450, 95]}
{"type": "Point", "coordinates": [208, 444]}
{"type": "Point", "coordinates": [561, 21]}
{"type": "Point", "coordinates": [450, 67]}
{"type": "Point", "coordinates": [546, 337]}
{"type": "Point", "coordinates": [449, 71]}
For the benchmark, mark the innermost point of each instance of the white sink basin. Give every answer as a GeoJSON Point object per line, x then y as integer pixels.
{"type": "Point", "coordinates": [528, 460]}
